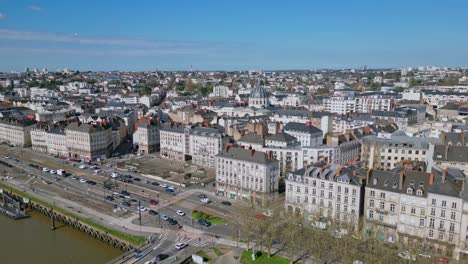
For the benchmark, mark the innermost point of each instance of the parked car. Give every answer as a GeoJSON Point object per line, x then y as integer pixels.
{"type": "Point", "coordinates": [152, 212]}
{"type": "Point", "coordinates": [202, 196]}
{"type": "Point", "coordinates": [127, 204]}
{"type": "Point", "coordinates": [52, 171]}
{"type": "Point", "coordinates": [109, 198]}
{"type": "Point", "coordinates": [137, 179]}
{"type": "Point", "coordinates": [172, 221]}
{"type": "Point", "coordinates": [155, 183]}
{"type": "Point", "coordinates": [226, 203]}
{"type": "Point", "coordinates": [205, 200]}
{"type": "Point", "coordinates": [172, 188]}
{"type": "Point", "coordinates": [153, 202]}
{"type": "Point", "coordinates": [406, 256]}
{"type": "Point", "coordinates": [82, 167]}
{"type": "Point", "coordinates": [83, 180]}
{"type": "Point", "coordinates": [164, 217]}
{"type": "Point", "coordinates": [179, 212]}
{"type": "Point", "coordinates": [160, 257]}
{"type": "Point", "coordinates": [45, 169]}
{"type": "Point", "coordinates": [203, 222]}
{"type": "Point", "coordinates": [169, 190]}
{"type": "Point", "coordinates": [181, 245]}
{"type": "Point", "coordinates": [163, 185]}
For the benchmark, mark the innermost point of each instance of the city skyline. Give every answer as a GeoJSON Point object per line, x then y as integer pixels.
{"type": "Point", "coordinates": [212, 36]}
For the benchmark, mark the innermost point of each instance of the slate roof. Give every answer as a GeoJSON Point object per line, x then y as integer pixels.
{"type": "Point", "coordinates": [86, 128]}
{"type": "Point", "coordinates": [247, 155]}
{"type": "Point", "coordinates": [390, 181]}
{"type": "Point", "coordinates": [282, 137]}
{"type": "Point", "coordinates": [251, 138]}
{"type": "Point", "coordinates": [450, 153]}
{"type": "Point", "coordinates": [300, 127]}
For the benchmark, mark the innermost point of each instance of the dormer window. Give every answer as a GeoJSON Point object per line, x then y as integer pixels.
{"type": "Point", "coordinates": [374, 182]}
{"type": "Point", "coordinates": [419, 192]}
{"type": "Point", "coordinates": [394, 185]}
{"type": "Point", "coordinates": [385, 183]}
{"type": "Point", "coordinates": [409, 190]}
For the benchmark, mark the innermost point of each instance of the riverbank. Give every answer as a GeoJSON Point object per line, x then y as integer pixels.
{"type": "Point", "coordinates": [30, 240]}
{"type": "Point", "coordinates": [132, 239]}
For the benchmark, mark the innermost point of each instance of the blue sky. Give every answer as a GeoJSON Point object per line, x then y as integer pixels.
{"type": "Point", "coordinates": [231, 35]}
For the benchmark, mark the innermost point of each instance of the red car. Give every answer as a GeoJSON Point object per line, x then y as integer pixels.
{"type": "Point", "coordinates": [153, 202]}
{"type": "Point", "coordinates": [440, 259]}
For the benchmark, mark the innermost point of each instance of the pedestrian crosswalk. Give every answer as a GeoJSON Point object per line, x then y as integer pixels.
{"type": "Point", "coordinates": [178, 238]}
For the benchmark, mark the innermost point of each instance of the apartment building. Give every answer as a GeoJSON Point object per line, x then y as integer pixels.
{"type": "Point", "coordinates": [344, 123]}
{"type": "Point", "coordinates": [402, 117]}
{"type": "Point", "coordinates": [308, 135]}
{"type": "Point", "coordinates": [364, 103]}
{"type": "Point", "coordinates": [16, 131]}
{"type": "Point", "coordinates": [451, 152]}
{"type": "Point", "coordinates": [388, 153]}
{"type": "Point", "coordinates": [287, 150]}
{"type": "Point", "coordinates": [205, 144]}
{"type": "Point", "coordinates": [243, 174]}
{"type": "Point", "coordinates": [146, 135]}
{"type": "Point", "coordinates": [331, 193]}
{"type": "Point", "coordinates": [89, 141]}
{"type": "Point", "coordinates": [418, 208]}
{"type": "Point", "coordinates": [175, 141]}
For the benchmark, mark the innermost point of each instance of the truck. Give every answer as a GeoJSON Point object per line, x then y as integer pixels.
{"type": "Point", "coordinates": [61, 172]}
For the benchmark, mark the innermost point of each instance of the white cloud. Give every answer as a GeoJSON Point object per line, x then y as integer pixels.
{"type": "Point", "coordinates": [35, 8]}
{"type": "Point", "coordinates": [7, 34]}
{"type": "Point", "coordinates": [2, 16]}
{"type": "Point", "coordinates": [37, 42]}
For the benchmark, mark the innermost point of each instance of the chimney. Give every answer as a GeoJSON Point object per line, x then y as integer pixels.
{"type": "Point", "coordinates": [446, 152]}
{"type": "Point", "coordinates": [226, 148]}
{"type": "Point", "coordinates": [270, 154]}
{"type": "Point", "coordinates": [444, 174]}
{"type": "Point", "coordinates": [252, 152]}
{"type": "Point", "coordinates": [354, 173]}
{"type": "Point", "coordinates": [431, 178]}
{"type": "Point", "coordinates": [462, 135]}
{"type": "Point", "coordinates": [368, 174]}
{"type": "Point", "coordinates": [402, 176]}
{"type": "Point", "coordinates": [339, 170]}
{"type": "Point", "coordinates": [308, 123]}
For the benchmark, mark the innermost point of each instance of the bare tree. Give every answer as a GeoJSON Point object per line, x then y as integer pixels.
{"type": "Point", "coordinates": [292, 234]}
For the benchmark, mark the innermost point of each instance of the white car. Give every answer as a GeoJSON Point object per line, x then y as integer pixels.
{"type": "Point", "coordinates": [142, 208]}
{"type": "Point", "coordinates": [172, 188]}
{"type": "Point", "coordinates": [45, 169]}
{"type": "Point", "coordinates": [164, 217]}
{"type": "Point", "coordinates": [179, 212]}
{"type": "Point", "coordinates": [114, 175]}
{"type": "Point", "coordinates": [406, 256]}
{"type": "Point", "coordinates": [82, 167]}
{"type": "Point", "coordinates": [53, 172]}
{"type": "Point", "coordinates": [83, 180]}
{"type": "Point", "coordinates": [163, 185]}
{"type": "Point", "coordinates": [181, 245]}
{"type": "Point", "coordinates": [205, 200]}
{"type": "Point", "coordinates": [97, 171]}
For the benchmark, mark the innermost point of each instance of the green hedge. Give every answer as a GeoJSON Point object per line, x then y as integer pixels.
{"type": "Point", "coordinates": [133, 239]}
{"type": "Point", "coordinates": [196, 215]}
{"type": "Point", "coordinates": [261, 258]}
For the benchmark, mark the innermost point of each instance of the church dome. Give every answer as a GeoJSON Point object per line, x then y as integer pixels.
{"type": "Point", "coordinates": [258, 93]}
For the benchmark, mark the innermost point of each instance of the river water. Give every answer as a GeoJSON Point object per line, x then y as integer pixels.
{"type": "Point", "coordinates": [30, 240]}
